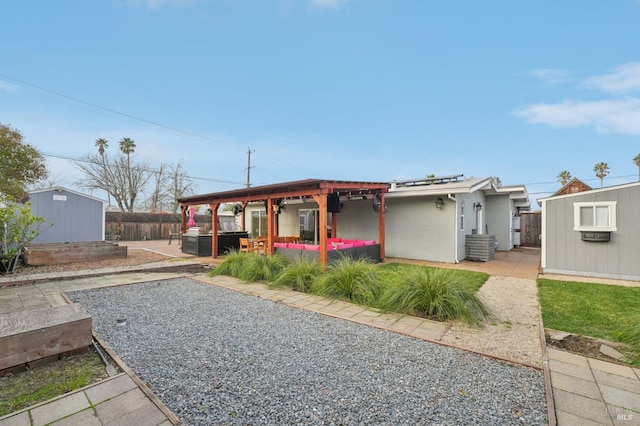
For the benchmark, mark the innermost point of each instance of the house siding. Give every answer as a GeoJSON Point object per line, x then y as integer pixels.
{"type": "Point", "coordinates": [499, 220]}
{"type": "Point", "coordinates": [75, 217]}
{"type": "Point", "coordinates": [416, 229]}
{"type": "Point", "coordinates": [566, 253]}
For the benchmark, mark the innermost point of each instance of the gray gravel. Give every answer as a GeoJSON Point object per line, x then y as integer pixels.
{"type": "Point", "coordinates": [218, 357]}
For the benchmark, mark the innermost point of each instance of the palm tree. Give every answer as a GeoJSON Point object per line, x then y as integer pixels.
{"type": "Point", "coordinates": [564, 177]}
{"type": "Point", "coordinates": [602, 170]}
{"type": "Point", "coordinates": [127, 146]}
{"type": "Point", "coordinates": [636, 161]}
{"type": "Point", "coordinates": [102, 145]}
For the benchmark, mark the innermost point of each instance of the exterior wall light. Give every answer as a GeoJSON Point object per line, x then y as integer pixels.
{"type": "Point", "coordinates": [439, 203]}
{"type": "Point", "coordinates": [477, 206]}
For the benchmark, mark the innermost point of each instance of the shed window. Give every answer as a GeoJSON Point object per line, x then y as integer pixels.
{"type": "Point", "coordinates": [594, 216]}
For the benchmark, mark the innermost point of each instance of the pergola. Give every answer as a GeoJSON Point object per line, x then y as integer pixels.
{"type": "Point", "coordinates": [273, 195]}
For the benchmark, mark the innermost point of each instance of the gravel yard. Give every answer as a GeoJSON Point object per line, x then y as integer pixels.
{"type": "Point", "coordinates": [214, 356]}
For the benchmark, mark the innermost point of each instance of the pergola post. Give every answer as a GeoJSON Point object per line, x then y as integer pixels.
{"type": "Point", "coordinates": [381, 226]}
{"type": "Point", "coordinates": [214, 229]}
{"type": "Point", "coordinates": [243, 224]}
{"type": "Point", "coordinates": [321, 200]}
{"type": "Point", "coordinates": [270, 226]}
{"type": "Point", "coordinates": [183, 218]}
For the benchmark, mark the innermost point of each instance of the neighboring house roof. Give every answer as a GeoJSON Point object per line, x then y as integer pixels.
{"type": "Point", "coordinates": [573, 186]}
{"type": "Point", "coordinates": [592, 191]}
{"type": "Point", "coordinates": [63, 189]}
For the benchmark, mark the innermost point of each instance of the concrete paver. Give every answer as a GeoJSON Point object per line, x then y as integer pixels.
{"type": "Point", "coordinates": [59, 409]}
{"type": "Point", "coordinates": [586, 389]}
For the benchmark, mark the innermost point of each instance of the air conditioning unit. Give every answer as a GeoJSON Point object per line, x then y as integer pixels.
{"type": "Point", "coordinates": [597, 237]}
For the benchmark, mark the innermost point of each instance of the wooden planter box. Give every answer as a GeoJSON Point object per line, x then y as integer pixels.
{"type": "Point", "coordinates": [55, 253]}
{"type": "Point", "coordinates": [28, 336]}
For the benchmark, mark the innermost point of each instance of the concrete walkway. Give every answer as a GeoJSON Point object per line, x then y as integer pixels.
{"type": "Point", "coordinates": [584, 391]}
{"type": "Point", "coordinates": [588, 391]}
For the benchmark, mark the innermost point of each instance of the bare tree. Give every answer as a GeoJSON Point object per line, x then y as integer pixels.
{"type": "Point", "coordinates": [602, 170]}
{"type": "Point", "coordinates": [51, 181]}
{"type": "Point", "coordinates": [158, 195]}
{"type": "Point", "coordinates": [119, 176]}
{"type": "Point", "coordinates": [180, 186]}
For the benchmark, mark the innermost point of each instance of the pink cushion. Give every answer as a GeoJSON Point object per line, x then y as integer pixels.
{"type": "Point", "coordinates": [358, 243]}
{"type": "Point", "coordinates": [311, 247]}
{"type": "Point", "coordinates": [369, 242]}
{"type": "Point", "coordinates": [295, 246]}
{"type": "Point", "coordinates": [334, 240]}
{"type": "Point", "coordinates": [344, 246]}
{"type": "Point", "coordinates": [280, 245]}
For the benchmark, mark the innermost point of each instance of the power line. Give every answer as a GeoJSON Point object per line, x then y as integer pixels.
{"type": "Point", "coordinates": [113, 111]}
{"type": "Point", "coordinates": [151, 170]}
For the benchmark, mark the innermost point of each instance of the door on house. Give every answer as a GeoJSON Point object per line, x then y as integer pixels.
{"type": "Point", "coordinates": [258, 223]}
{"type": "Point", "coordinates": [310, 225]}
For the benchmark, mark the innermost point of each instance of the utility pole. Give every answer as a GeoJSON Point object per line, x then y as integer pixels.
{"type": "Point", "coordinates": [249, 151]}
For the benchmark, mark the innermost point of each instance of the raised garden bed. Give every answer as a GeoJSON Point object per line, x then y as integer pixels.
{"type": "Point", "coordinates": [55, 253]}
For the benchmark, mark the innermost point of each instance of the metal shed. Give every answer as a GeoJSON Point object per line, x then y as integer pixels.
{"type": "Point", "coordinates": [593, 233]}
{"type": "Point", "coordinates": [76, 217]}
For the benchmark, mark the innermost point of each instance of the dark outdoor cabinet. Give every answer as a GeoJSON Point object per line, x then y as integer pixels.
{"type": "Point", "coordinates": [200, 245]}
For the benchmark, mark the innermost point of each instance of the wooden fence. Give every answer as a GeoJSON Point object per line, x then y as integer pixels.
{"type": "Point", "coordinates": [530, 229]}
{"type": "Point", "coordinates": [148, 226]}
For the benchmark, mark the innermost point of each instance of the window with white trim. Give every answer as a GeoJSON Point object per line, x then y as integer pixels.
{"type": "Point", "coordinates": [594, 216]}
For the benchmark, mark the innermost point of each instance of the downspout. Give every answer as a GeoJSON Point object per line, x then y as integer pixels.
{"type": "Point", "coordinates": [455, 228]}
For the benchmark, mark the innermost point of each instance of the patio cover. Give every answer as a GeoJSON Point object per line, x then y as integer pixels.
{"type": "Point", "coordinates": [273, 195]}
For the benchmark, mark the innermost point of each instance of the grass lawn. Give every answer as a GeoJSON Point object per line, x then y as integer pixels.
{"type": "Point", "coordinates": [594, 310]}
{"type": "Point", "coordinates": [472, 280]}
{"type": "Point", "coordinates": [26, 388]}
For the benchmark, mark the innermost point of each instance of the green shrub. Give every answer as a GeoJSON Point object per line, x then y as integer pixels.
{"type": "Point", "coordinates": [356, 280]}
{"type": "Point", "coordinates": [232, 265]}
{"type": "Point", "coordinates": [630, 334]}
{"type": "Point", "coordinates": [299, 275]}
{"type": "Point", "coordinates": [263, 268]}
{"type": "Point", "coordinates": [432, 293]}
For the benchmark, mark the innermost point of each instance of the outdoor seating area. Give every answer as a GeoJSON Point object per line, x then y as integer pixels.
{"type": "Point", "coordinates": [336, 248]}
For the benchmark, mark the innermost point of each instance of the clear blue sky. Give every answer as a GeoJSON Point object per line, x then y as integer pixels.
{"type": "Point", "coordinates": [339, 89]}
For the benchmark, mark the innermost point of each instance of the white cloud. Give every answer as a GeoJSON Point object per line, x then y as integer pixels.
{"type": "Point", "coordinates": [157, 4]}
{"type": "Point", "coordinates": [326, 4]}
{"type": "Point", "coordinates": [551, 76]}
{"type": "Point", "coordinates": [607, 116]}
{"type": "Point", "coordinates": [7, 87]}
{"type": "Point", "coordinates": [623, 79]}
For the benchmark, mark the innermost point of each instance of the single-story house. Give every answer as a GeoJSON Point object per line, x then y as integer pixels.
{"type": "Point", "coordinates": [432, 218]}
{"type": "Point", "coordinates": [593, 233]}
{"type": "Point", "coordinates": [76, 217]}
{"type": "Point", "coordinates": [424, 219]}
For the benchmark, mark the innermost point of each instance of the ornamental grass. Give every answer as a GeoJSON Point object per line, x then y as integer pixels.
{"type": "Point", "coordinates": [432, 293]}
{"type": "Point", "coordinates": [299, 275]}
{"type": "Point", "coordinates": [354, 280]}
